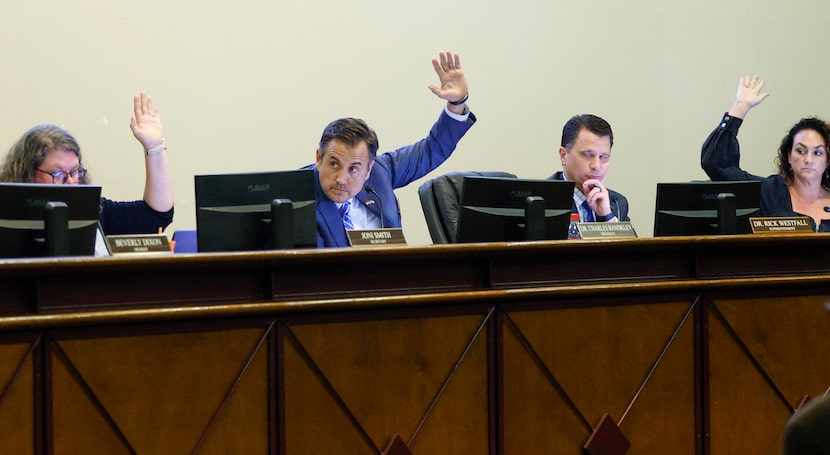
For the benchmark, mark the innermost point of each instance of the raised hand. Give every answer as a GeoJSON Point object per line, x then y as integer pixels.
{"type": "Point", "coordinates": [146, 122]}
{"type": "Point", "coordinates": [453, 83]}
{"type": "Point", "coordinates": [749, 95]}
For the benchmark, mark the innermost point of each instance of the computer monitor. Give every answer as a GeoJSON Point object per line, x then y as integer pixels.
{"type": "Point", "coordinates": [234, 211]}
{"type": "Point", "coordinates": [496, 209]}
{"type": "Point", "coordinates": [706, 208]}
{"type": "Point", "coordinates": [28, 229]}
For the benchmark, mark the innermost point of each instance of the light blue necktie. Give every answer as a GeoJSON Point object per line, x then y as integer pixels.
{"type": "Point", "coordinates": [344, 213]}
{"type": "Point", "coordinates": [589, 215]}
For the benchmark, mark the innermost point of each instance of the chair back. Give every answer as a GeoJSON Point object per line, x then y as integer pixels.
{"type": "Point", "coordinates": [441, 202]}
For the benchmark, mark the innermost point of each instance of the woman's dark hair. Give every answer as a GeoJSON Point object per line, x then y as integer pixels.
{"type": "Point", "coordinates": [782, 161]}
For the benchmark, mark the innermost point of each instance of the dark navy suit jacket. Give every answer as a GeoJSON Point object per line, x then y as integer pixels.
{"type": "Point", "coordinates": [619, 204]}
{"type": "Point", "coordinates": [391, 170]}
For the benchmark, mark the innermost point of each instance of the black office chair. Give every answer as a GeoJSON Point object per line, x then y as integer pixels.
{"type": "Point", "coordinates": [441, 201]}
{"type": "Point", "coordinates": [808, 430]}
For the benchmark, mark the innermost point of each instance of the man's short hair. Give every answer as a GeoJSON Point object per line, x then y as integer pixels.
{"type": "Point", "coordinates": [592, 123]}
{"type": "Point", "coordinates": [351, 132]}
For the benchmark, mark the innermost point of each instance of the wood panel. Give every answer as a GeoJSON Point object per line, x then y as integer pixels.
{"type": "Point", "coordinates": [754, 256]}
{"type": "Point", "coordinates": [368, 276]}
{"type": "Point", "coordinates": [576, 263]}
{"type": "Point", "coordinates": [17, 294]}
{"type": "Point", "coordinates": [766, 354]}
{"type": "Point", "coordinates": [388, 373]}
{"type": "Point", "coordinates": [160, 393]}
{"type": "Point", "coordinates": [17, 393]}
{"type": "Point", "coordinates": [145, 288]}
{"type": "Point", "coordinates": [601, 358]}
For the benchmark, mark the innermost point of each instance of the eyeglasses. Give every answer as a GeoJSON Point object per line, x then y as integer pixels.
{"type": "Point", "coordinates": [61, 177]}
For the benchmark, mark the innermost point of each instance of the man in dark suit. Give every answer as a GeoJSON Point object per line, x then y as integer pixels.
{"type": "Point", "coordinates": [585, 153]}
{"type": "Point", "coordinates": [355, 185]}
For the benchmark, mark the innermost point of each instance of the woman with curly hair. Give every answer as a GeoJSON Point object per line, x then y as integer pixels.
{"type": "Point", "coordinates": [802, 184]}
{"type": "Point", "coordinates": [50, 154]}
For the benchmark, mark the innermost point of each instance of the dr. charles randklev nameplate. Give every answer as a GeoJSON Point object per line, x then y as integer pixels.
{"type": "Point", "coordinates": [595, 231]}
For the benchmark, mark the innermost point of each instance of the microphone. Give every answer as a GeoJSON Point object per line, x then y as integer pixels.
{"type": "Point", "coordinates": [371, 190]}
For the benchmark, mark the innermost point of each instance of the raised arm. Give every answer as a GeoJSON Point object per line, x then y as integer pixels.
{"type": "Point", "coordinates": [453, 83]}
{"type": "Point", "coordinates": [147, 129]}
{"type": "Point", "coordinates": [720, 156]}
{"type": "Point", "coordinates": [749, 95]}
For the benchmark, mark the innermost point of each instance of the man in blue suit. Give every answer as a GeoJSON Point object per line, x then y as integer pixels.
{"type": "Point", "coordinates": [355, 185]}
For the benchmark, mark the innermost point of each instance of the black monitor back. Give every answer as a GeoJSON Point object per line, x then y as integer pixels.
{"type": "Point", "coordinates": [233, 211]}
{"type": "Point", "coordinates": [22, 212]}
{"type": "Point", "coordinates": [691, 208]}
{"type": "Point", "coordinates": [493, 208]}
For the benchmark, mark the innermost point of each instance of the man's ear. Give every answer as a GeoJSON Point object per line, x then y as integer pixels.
{"type": "Point", "coordinates": [369, 173]}
{"type": "Point", "coordinates": [562, 153]}
{"type": "Point", "coordinates": [319, 159]}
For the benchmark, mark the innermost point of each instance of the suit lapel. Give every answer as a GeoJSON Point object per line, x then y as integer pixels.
{"type": "Point", "coordinates": [334, 224]}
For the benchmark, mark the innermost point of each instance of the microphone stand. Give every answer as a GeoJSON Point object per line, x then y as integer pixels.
{"type": "Point", "coordinates": [372, 191]}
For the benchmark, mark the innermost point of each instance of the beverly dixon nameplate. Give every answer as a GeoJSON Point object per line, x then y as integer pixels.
{"type": "Point", "coordinates": [138, 244]}
{"type": "Point", "coordinates": [593, 231]}
{"type": "Point", "coordinates": [376, 237]}
{"type": "Point", "coordinates": [781, 225]}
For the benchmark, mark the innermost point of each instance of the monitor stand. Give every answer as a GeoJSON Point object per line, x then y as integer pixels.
{"type": "Point", "coordinates": [282, 223]}
{"type": "Point", "coordinates": [534, 218]}
{"type": "Point", "coordinates": [727, 214]}
{"type": "Point", "coordinates": [56, 222]}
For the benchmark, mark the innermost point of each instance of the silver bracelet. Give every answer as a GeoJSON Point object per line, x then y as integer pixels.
{"type": "Point", "coordinates": [156, 149]}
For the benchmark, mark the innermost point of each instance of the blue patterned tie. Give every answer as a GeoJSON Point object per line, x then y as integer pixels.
{"type": "Point", "coordinates": [344, 213]}
{"type": "Point", "coordinates": [589, 215]}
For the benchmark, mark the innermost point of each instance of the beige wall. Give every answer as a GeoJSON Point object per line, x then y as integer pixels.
{"type": "Point", "coordinates": [248, 86]}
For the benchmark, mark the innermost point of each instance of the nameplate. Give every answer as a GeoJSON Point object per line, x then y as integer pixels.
{"type": "Point", "coordinates": [138, 244]}
{"type": "Point", "coordinates": [778, 225]}
{"type": "Point", "coordinates": [593, 231]}
{"type": "Point", "coordinates": [376, 237]}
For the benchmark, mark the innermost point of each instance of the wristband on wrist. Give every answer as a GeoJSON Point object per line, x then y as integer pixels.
{"type": "Point", "coordinates": [461, 101]}
{"type": "Point", "coordinates": [157, 149]}
{"type": "Point", "coordinates": [604, 218]}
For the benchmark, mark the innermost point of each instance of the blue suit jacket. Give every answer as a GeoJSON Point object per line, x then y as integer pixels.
{"type": "Point", "coordinates": [391, 170]}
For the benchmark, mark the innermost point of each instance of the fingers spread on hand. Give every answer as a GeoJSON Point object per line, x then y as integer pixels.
{"type": "Point", "coordinates": [437, 65]}
{"type": "Point", "coordinates": [446, 63]}
{"type": "Point", "coordinates": [146, 103]}
{"type": "Point", "coordinates": [761, 84]}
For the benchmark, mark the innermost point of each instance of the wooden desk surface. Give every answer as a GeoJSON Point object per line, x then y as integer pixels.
{"type": "Point", "coordinates": [699, 345]}
{"type": "Point", "coordinates": [72, 284]}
